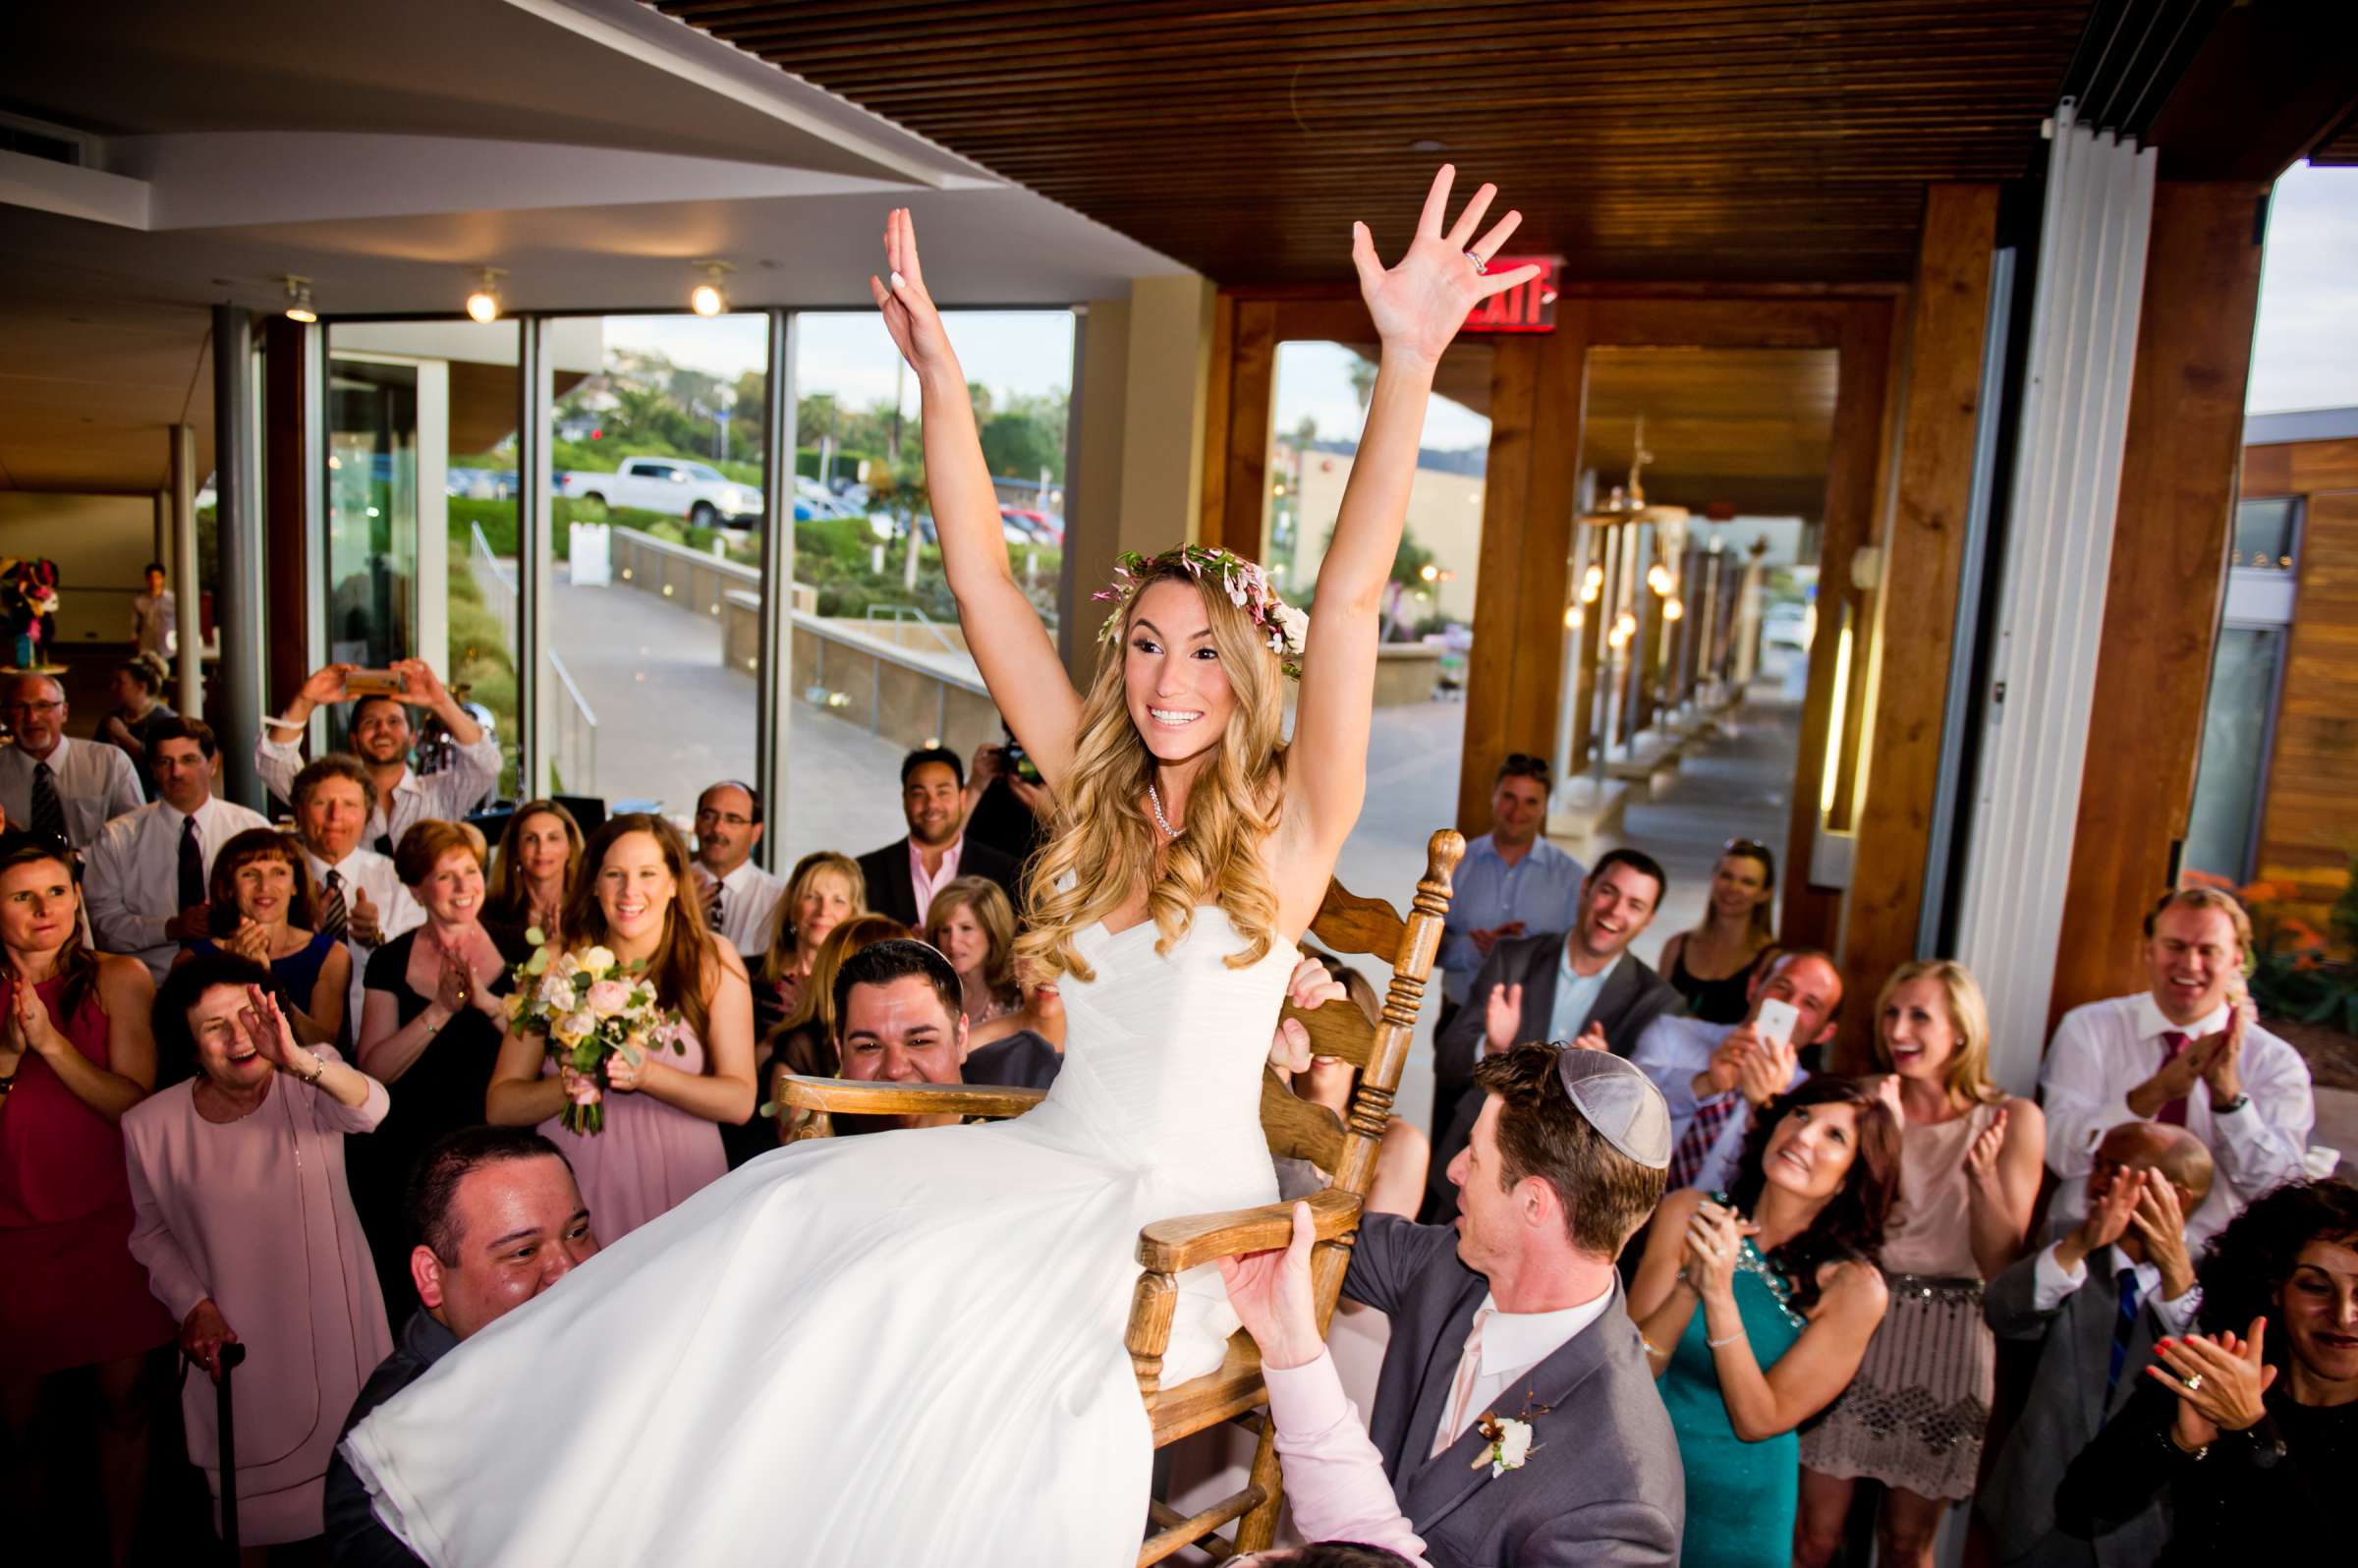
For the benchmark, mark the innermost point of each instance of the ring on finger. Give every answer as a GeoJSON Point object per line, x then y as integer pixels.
{"type": "Point", "coordinates": [2194, 1384]}
{"type": "Point", "coordinates": [1481, 263]}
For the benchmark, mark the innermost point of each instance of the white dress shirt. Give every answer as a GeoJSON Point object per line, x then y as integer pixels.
{"type": "Point", "coordinates": [1512, 1344]}
{"type": "Point", "coordinates": [95, 784]}
{"type": "Point", "coordinates": [2106, 1049]}
{"type": "Point", "coordinates": [1673, 1051]}
{"type": "Point", "coordinates": [444, 797]}
{"type": "Point", "coordinates": [397, 911]}
{"type": "Point", "coordinates": [131, 881]}
{"type": "Point", "coordinates": [2050, 1285]}
{"type": "Point", "coordinates": [748, 907]}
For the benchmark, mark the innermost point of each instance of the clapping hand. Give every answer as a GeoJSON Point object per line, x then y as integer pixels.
{"type": "Point", "coordinates": [28, 1024]}
{"type": "Point", "coordinates": [1982, 1155]}
{"type": "Point", "coordinates": [454, 985]}
{"type": "Point", "coordinates": [2222, 1066]}
{"type": "Point", "coordinates": [1491, 936]}
{"type": "Point", "coordinates": [251, 941]}
{"type": "Point", "coordinates": [2219, 1380]}
{"type": "Point", "coordinates": [2108, 1216]}
{"type": "Point", "coordinates": [1501, 1019]}
{"type": "Point", "coordinates": [1419, 304]}
{"type": "Point", "coordinates": [1714, 1237]}
{"type": "Point", "coordinates": [2160, 1220]}
{"type": "Point", "coordinates": [1272, 1294]}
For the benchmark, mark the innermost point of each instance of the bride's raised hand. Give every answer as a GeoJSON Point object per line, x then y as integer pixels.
{"type": "Point", "coordinates": [909, 313]}
{"type": "Point", "coordinates": [1419, 304]}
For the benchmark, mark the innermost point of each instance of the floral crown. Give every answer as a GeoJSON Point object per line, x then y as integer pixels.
{"type": "Point", "coordinates": [1246, 585]}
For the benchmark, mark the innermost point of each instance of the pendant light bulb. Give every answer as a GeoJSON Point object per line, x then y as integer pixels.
{"type": "Point", "coordinates": [1592, 585]}
{"type": "Point", "coordinates": [706, 298]}
{"type": "Point", "coordinates": [484, 303]}
{"type": "Point", "coordinates": [1673, 609]}
{"type": "Point", "coordinates": [298, 299]}
{"type": "Point", "coordinates": [1657, 578]}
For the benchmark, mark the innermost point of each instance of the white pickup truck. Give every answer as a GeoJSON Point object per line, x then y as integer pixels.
{"type": "Point", "coordinates": [672, 485]}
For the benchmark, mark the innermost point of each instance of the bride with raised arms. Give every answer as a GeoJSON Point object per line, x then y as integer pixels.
{"type": "Point", "coordinates": [906, 1348]}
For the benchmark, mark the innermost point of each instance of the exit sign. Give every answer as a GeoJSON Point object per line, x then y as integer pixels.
{"type": "Point", "coordinates": [1527, 307]}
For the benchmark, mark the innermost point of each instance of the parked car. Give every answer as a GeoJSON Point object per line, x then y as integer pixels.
{"type": "Point", "coordinates": [1786, 626]}
{"type": "Point", "coordinates": [672, 485]}
{"type": "Point", "coordinates": [1038, 527]}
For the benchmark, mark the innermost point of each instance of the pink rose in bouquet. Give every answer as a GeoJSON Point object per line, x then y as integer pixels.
{"type": "Point", "coordinates": [588, 1010]}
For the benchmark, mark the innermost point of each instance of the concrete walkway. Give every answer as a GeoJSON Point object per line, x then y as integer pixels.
{"type": "Point", "coordinates": [672, 720]}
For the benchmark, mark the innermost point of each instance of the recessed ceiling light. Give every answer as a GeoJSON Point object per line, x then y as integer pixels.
{"type": "Point", "coordinates": [484, 303]}
{"type": "Point", "coordinates": [1428, 144]}
{"type": "Point", "coordinates": [706, 298]}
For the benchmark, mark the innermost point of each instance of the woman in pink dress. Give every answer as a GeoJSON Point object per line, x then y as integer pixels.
{"type": "Point", "coordinates": [248, 1235]}
{"type": "Point", "coordinates": [75, 1055]}
{"type": "Point", "coordinates": [662, 1142]}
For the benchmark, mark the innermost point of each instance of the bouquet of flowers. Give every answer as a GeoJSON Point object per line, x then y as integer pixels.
{"type": "Point", "coordinates": [588, 1012]}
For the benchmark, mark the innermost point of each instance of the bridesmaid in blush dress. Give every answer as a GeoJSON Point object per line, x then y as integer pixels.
{"type": "Point", "coordinates": [662, 1141]}
{"type": "Point", "coordinates": [249, 1234]}
{"type": "Point", "coordinates": [75, 1055]}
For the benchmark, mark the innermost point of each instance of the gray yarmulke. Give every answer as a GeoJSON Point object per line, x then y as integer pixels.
{"type": "Point", "coordinates": [1620, 1101]}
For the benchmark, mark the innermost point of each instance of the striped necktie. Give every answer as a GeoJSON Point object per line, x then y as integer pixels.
{"type": "Point", "coordinates": [334, 918]}
{"type": "Point", "coordinates": [48, 812]}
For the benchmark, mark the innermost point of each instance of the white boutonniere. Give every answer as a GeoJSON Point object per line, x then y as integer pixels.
{"type": "Point", "coordinates": [1509, 1445]}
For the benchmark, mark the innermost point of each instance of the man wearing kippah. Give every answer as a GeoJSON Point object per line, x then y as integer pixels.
{"type": "Point", "coordinates": [1516, 1415]}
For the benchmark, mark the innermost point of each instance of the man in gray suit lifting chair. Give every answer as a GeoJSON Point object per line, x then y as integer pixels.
{"type": "Point", "coordinates": [1516, 1415]}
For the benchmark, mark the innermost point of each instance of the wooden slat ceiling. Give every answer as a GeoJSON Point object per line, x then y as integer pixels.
{"type": "Point", "coordinates": [1698, 140]}
{"type": "Point", "coordinates": [1750, 428]}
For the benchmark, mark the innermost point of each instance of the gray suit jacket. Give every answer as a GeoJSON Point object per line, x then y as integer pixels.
{"type": "Point", "coordinates": [1603, 1484]}
{"type": "Point", "coordinates": [2067, 1404]}
{"type": "Point", "coordinates": [1633, 996]}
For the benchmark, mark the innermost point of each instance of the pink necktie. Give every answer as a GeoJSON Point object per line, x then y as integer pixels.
{"type": "Point", "coordinates": [2174, 1111]}
{"type": "Point", "coordinates": [1461, 1390]}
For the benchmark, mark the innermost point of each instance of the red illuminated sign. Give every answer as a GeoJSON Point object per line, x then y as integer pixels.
{"type": "Point", "coordinates": [1527, 307]}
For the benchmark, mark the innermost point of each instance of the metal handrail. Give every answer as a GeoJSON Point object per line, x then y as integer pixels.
{"type": "Point", "coordinates": [900, 613]}
{"type": "Point", "coordinates": [574, 739]}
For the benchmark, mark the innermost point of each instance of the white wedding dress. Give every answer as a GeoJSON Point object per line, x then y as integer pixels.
{"type": "Point", "coordinates": [894, 1351]}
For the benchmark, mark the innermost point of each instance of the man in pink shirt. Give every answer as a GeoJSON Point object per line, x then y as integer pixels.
{"type": "Point", "coordinates": [903, 875]}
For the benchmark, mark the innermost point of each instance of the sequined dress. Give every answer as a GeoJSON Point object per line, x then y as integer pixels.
{"type": "Point", "coordinates": [1914, 1414]}
{"type": "Point", "coordinates": [1741, 1496]}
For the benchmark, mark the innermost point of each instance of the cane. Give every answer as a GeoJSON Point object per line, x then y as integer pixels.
{"type": "Point", "coordinates": [228, 1355]}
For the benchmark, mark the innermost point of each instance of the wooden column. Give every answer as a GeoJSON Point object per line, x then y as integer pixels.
{"type": "Point", "coordinates": [1924, 555]}
{"type": "Point", "coordinates": [1514, 671]}
{"type": "Point", "coordinates": [1867, 342]}
{"type": "Point", "coordinates": [291, 536]}
{"type": "Point", "coordinates": [2177, 496]}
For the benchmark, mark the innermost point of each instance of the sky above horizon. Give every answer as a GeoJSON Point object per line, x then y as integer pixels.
{"type": "Point", "coordinates": [2305, 348]}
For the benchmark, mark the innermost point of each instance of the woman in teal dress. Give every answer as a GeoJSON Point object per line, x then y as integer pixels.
{"type": "Point", "coordinates": [1782, 1267]}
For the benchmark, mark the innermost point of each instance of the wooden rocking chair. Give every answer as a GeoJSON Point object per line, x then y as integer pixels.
{"type": "Point", "coordinates": [1296, 1128]}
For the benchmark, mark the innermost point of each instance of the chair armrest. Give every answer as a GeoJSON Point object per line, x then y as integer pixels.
{"type": "Point", "coordinates": [840, 1096]}
{"type": "Point", "coordinates": [1173, 1246]}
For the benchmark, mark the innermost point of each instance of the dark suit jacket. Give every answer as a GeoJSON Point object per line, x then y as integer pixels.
{"type": "Point", "coordinates": [354, 1533]}
{"type": "Point", "coordinates": [891, 892]}
{"type": "Point", "coordinates": [1603, 1484]}
{"type": "Point", "coordinates": [2066, 1408]}
{"type": "Point", "coordinates": [1633, 996]}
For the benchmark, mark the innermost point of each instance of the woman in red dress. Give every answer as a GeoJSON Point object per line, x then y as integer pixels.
{"type": "Point", "coordinates": [74, 1054]}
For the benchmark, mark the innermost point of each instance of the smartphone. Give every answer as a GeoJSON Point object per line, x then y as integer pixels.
{"type": "Point", "coordinates": [374, 683]}
{"type": "Point", "coordinates": [1777, 1020]}
{"type": "Point", "coordinates": [1019, 762]}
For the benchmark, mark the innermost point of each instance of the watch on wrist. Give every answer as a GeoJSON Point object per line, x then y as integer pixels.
{"type": "Point", "coordinates": [2228, 1107]}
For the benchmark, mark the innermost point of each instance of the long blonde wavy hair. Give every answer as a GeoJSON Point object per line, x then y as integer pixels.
{"type": "Point", "coordinates": [1102, 841]}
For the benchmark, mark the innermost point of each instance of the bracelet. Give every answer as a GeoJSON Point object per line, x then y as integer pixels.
{"type": "Point", "coordinates": [1715, 1344]}
{"type": "Point", "coordinates": [317, 1071]}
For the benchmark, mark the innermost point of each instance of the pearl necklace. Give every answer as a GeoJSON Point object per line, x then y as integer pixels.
{"type": "Point", "coordinates": [1155, 798]}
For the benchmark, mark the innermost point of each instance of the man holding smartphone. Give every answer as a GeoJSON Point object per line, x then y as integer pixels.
{"type": "Point", "coordinates": [1715, 1076]}
{"type": "Point", "coordinates": [382, 736]}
